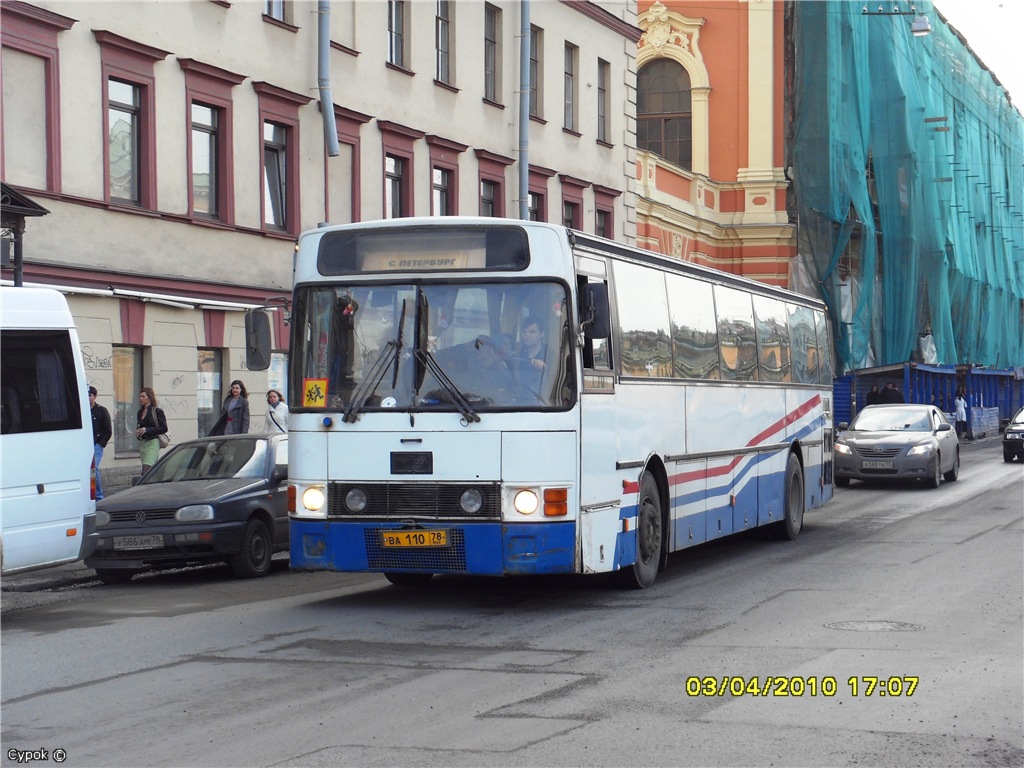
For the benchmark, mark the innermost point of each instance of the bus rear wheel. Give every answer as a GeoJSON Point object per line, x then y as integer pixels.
{"type": "Point", "coordinates": [650, 538]}
{"type": "Point", "coordinates": [793, 504]}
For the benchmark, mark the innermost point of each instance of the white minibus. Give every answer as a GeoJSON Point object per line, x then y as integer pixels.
{"type": "Point", "coordinates": [47, 487]}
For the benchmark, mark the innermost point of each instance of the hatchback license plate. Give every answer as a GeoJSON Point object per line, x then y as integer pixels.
{"type": "Point", "coordinates": [431, 538]}
{"type": "Point", "coordinates": [876, 465]}
{"type": "Point", "coordinates": [152, 541]}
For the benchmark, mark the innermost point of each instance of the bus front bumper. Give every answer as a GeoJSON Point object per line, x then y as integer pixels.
{"type": "Point", "coordinates": [492, 549]}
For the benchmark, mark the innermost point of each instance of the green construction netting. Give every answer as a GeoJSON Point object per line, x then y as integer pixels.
{"type": "Point", "coordinates": [907, 161]}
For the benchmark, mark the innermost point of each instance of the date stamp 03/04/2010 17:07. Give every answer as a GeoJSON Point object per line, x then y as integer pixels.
{"type": "Point", "coordinates": [801, 685]}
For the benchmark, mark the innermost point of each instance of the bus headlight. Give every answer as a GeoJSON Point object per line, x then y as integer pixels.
{"type": "Point", "coordinates": [313, 499]}
{"type": "Point", "coordinates": [355, 500]}
{"type": "Point", "coordinates": [526, 502]}
{"type": "Point", "coordinates": [471, 501]}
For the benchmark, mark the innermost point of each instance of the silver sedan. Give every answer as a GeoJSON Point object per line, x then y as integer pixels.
{"type": "Point", "coordinates": [898, 441]}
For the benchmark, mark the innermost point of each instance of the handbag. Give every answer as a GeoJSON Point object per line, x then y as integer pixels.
{"type": "Point", "coordinates": [164, 439]}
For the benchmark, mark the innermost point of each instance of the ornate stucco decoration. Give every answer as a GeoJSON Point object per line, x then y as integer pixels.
{"type": "Point", "coordinates": [670, 34]}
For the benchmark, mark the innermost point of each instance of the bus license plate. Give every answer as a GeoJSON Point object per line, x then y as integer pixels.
{"type": "Point", "coordinates": [432, 538]}
{"type": "Point", "coordinates": [876, 465]}
{"type": "Point", "coordinates": [152, 541]}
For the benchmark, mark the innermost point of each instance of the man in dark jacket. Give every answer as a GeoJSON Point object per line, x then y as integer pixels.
{"type": "Point", "coordinates": [890, 394]}
{"type": "Point", "coordinates": [101, 432]}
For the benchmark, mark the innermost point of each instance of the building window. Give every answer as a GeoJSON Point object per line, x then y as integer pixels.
{"type": "Point", "coordinates": [396, 32]}
{"type": "Point", "coordinates": [398, 145]}
{"type": "Point", "coordinates": [205, 123]}
{"type": "Point", "coordinates": [492, 182]}
{"type": "Point", "coordinates": [210, 155]}
{"type": "Point", "coordinates": [31, 110]}
{"type": "Point", "coordinates": [442, 28]}
{"type": "Point", "coordinates": [571, 215]}
{"type": "Point", "coordinates": [569, 121]}
{"type": "Point", "coordinates": [394, 170]}
{"type": "Point", "coordinates": [604, 210]}
{"type": "Point", "coordinates": [279, 134]}
{"type": "Point", "coordinates": [489, 198]}
{"type": "Point", "coordinates": [277, 9]}
{"type": "Point", "coordinates": [124, 112]}
{"type": "Point", "coordinates": [535, 206]}
{"type": "Point", "coordinates": [603, 75]}
{"type": "Point", "coordinates": [492, 53]}
{"type": "Point", "coordinates": [129, 123]}
{"type": "Point", "coordinates": [664, 116]}
{"type": "Point", "coordinates": [536, 86]}
{"type": "Point", "coordinates": [603, 224]}
{"type": "Point", "coordinates": [275, 175]}
{"type": "Point", "coordinates": [208, 389]}
{"type": "Point", "coordinates": [127, 365]}
{"type": "Point", "coordinates": [440, 200]}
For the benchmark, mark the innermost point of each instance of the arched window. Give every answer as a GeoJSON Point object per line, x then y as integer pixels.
{"type": "Point", "coordinates": [664, 118]}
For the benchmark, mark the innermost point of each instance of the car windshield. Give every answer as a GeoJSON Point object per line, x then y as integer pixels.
{"type": "Point", "coordinates": [212, 460]}
{"type": "Point", "coordinates": [893, 420]}
{"type": "Point", "coordinates": [1019, 418]}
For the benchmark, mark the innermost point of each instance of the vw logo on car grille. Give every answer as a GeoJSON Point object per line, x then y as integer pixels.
{"type": "Point", "coordinates": [140, 517]}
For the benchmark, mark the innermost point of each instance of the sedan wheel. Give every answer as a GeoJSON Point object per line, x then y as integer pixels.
{"type": "Point", "coordinates": [253, 559]}
{"type": "Point", "coordinates": [954, 471]}
{"type": "Point", "coordinates": [935, 477]}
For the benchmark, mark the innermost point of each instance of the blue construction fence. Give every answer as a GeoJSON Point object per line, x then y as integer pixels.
{"type": "Point", "coordinates": [992, 396]}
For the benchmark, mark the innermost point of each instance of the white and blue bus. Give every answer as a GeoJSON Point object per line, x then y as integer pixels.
{"type": "Point", "coordinates": [499, 397]}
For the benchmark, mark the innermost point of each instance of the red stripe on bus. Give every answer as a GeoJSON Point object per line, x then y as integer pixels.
{"type": "Point", "coordinates": [630, 487]}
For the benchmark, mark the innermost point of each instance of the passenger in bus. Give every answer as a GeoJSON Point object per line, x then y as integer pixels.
{"type": "Point", "coordinates": [101, 433]}
{"type": "Point", "coordinates": [150, 422]}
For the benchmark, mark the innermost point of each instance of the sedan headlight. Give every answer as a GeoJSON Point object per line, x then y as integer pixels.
{"type": "Point", "coordinates": [102, 518]}
{"type": "Point", "coordinates": [194, 513]}
{"type": "Point", "coordinates": [842, 448]}
{"type": "Point", "coordinates": [921, 450]}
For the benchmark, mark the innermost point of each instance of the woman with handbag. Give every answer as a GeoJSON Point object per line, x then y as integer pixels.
{"type": "Point", "coordinates": [277, 413]}
{"type": "Point", "coordinates": [150, 425]}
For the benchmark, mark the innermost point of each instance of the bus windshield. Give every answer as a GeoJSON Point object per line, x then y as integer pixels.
{"type": "Point", "coordinates": [432, 346]}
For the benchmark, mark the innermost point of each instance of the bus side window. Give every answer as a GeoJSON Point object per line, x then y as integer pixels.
{"type": "Point", "coordinates": [596, 349]}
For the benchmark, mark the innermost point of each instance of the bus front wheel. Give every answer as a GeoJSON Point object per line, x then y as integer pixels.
{"type": "Point", "coordinates": [650, 538]}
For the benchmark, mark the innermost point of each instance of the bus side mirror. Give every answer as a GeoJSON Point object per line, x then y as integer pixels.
{"type": "Point", "coordinates": [596, 320]}
{"type": "Point", "coordinates": [257, 340]}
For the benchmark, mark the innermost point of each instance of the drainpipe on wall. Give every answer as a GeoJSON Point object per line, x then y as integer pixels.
{"type": "Point", "coordinates": [324, 77]}
{"type": "Point", "coordinates": [524, 111]}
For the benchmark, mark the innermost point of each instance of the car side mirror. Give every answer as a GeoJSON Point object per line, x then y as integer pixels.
{"type": "Point", "coordinates": [279, 474]}
{"type": "Point", "coordinates": [136, 479]}
{"type": "Point", "coordinates": [842, 426]}
{"type": "Point", "coordinates": [944, 428]}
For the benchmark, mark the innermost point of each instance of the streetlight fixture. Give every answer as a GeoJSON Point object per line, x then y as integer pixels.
{"type": "Point", "coordinates": [920, 26]}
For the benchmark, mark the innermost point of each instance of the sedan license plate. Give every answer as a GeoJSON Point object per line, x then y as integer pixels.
{"type": "Point", "coordinates": [417, 538]}
{"type": "Point", "coordinates": [876, 465]}
{"type": "Point", "coordinates": [152, 541]}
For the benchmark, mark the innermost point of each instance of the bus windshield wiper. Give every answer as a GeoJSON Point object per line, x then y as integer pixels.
{"type": "Point", "coordinates": [398, 345]}
{"type": "Point", "coordinates": [458, 398]}
{"type": "Point", "coordinates": [373, 379]}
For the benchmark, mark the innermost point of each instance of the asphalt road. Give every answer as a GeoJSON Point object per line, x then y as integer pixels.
{"type": "Point", "coordinates": [921, 589]}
